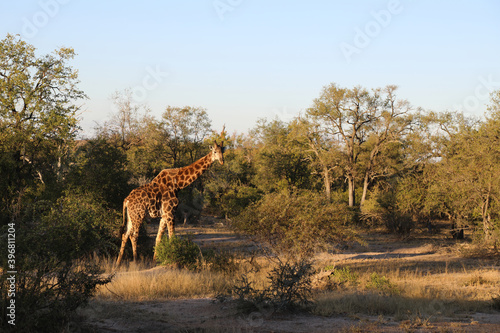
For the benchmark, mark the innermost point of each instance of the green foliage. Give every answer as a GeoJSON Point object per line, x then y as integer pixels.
{"type": "Point", "coordinates": [54, 229]}
{"type": "Point", "coordinates": [456, 176]}
{"type": "Point", "coordinates": [179, 252]}
{"type": "Point", "coordinates": [51, 279]}
{"type": "Point", "coordinates": [297, 223]}
{"type": "Point", "coordinates": [412, 196]}
{"type": "Point", "coordinates": [343, 277]}
{"type": "Point", "coordinates": [382, 209]}
{"type": "Point", "coordinates": [228, 189]}
{"type": "Point", "coordinates": [38, 121]}
{"type": "Point", "coordinates": [185, 128]}
{"type": "Point", "coordinates": [220, 261]}
{"type": "Point", "coordinates": [81, 225]}
{"type": "Point", "coordinates": [237, 198]}
{"type": "Point", "coordinates": [382, 284]}
{"type": "Point", "coordinates": [280, 162]}
{"type": "Point", "coordinates": [100, 168]}
{"type": "Point", "coordinates": [364, 125]}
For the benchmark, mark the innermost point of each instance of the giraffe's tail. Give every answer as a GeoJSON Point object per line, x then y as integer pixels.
{"type": "Point", "coordinates": [124, 225]}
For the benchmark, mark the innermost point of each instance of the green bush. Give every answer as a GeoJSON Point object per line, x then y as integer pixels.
{"type": "Point", "coordinates": [297, 223]}
{"type": "Point", "coordinates": [220, 261]}
{"type": "Point", "coordinates": [234, 200]}
{"type": "Point", "coordinates": [82, 225]}
{"type": "Point", "coordinates": [381, 209]}
{"type": "Point", "coordinates": [343, 277]}
{"type": "Point", "coordinates": [179, 252]}
{"type": "Point", "coordinates": [382, 284]}
{"type": "Point", "coordinates": [53, 279]}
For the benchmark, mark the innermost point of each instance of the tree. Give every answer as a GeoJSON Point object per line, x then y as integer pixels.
{"type": "Point", "coordinates": [184, 128]}
{"type": "Point", "coordinates": [325, 155]}
{"type": "Point", "coordinates": [124, 127]}
{"type": "Point", "coordinates": [356, 122]}
{"type": "Point", "coordinates": [456, 162]}
{"type": "Point", "coordinates": [279, 161]}
{"type": "Point", "coordinates": [38, 118]}
{"type": "Point", "coordinates": [392, 121]}
{"type": "Point", "coordinates": [100, 168]}
{"type": "Point", "coordinates": [470, 168]}
{"type": "Point", "coordinates": [228, 189]}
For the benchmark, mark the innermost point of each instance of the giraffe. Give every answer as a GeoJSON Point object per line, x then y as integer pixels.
{"type": "Point", "coordinates": [159, 199]}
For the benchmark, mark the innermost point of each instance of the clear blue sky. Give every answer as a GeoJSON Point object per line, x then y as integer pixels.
{"type": "Point", "coordinates": [249, 59]}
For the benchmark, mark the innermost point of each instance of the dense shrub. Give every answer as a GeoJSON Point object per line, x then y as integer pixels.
{"type": "Point", "coordinates": [290, 285]}
{"type": "Point", "coordinates": [237, 198]}
{"type": "Point", "coordinates": [342, 277]}
{"type": "Point", "coordinates": [289, 288]}
{"type": "Point", "coordinates": [297, 223]}
{"type": "Point", "coordinates": [220, 261]}
{"type": "Point", "coordinates": [82, 225]}
{"type": "Point", "coordinates": [381, 209]}
{"type": "Point", "coordinates": [100, 168]}
{"type": "Point", "coordinates": [179, 252]}
{"type": "Point", "coordinates": [51, 279]}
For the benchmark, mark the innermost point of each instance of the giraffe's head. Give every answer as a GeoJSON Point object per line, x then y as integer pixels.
{"type": "Point", "coordinates": [218, 152]}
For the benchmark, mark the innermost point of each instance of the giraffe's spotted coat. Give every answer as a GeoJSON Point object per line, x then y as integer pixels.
{"type": "Point", "coordinates": [159, 199]}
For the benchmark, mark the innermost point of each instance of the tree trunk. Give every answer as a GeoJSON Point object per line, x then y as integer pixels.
{"type": "Point", "coordinates": [352, 191]}
{"type": "Point", "coordinates": [365, 188]}
{"type": "Point", "coordinates": [326, 180]}
{"type": "Point", "coordinates": [369, 167]}
{"type": "Point", "coordinates": [487, 225]}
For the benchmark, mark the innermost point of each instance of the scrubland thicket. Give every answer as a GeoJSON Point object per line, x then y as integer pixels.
{"type": "Point", "coordinates": [356, 158]}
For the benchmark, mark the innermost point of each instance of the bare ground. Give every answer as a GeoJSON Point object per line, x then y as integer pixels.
{"type": "Point", "coordinates": [204, 315]}
{"type": "Point", "coordinates": [208, 315]}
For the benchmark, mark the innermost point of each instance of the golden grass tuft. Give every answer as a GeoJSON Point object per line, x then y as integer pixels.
{"type": "Point", "coordinates": [163, 283]}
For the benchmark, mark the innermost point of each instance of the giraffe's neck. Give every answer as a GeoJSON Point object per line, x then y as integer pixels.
{"type": "Point", "coordinates": [190, 173]}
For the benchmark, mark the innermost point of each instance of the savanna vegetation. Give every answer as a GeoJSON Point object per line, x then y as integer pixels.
{"type": "Point", "coordinates": [356, 160]}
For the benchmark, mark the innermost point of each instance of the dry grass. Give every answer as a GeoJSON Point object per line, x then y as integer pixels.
{"type": "Point", "coordinates": [143, 281]}
{"type": "Point", "coordinates": [413, 290]}
{"type": "Point", "coordinates": [163, 283]}
{"type": "Point", "coordinates": [422, 281]}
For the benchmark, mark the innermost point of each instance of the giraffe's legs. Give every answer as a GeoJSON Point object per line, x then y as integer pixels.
{"type": "Point", "coordinates": [167, 220]}
{"type": "Point", "coordinates": [170, 227]}
{"type": "Point", "coordinates": [125, 237]}
{"type": "Point", "coordinates": [133, 240]}
{"type": "Point", "coordinates": [131, 232]}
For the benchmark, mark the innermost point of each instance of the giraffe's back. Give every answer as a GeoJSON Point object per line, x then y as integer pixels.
{"type": "Point", "coordinates": [148, 198]}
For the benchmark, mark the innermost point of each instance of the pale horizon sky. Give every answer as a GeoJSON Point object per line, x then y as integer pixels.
{"type": "Point", "coordinates": [243, 60]}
